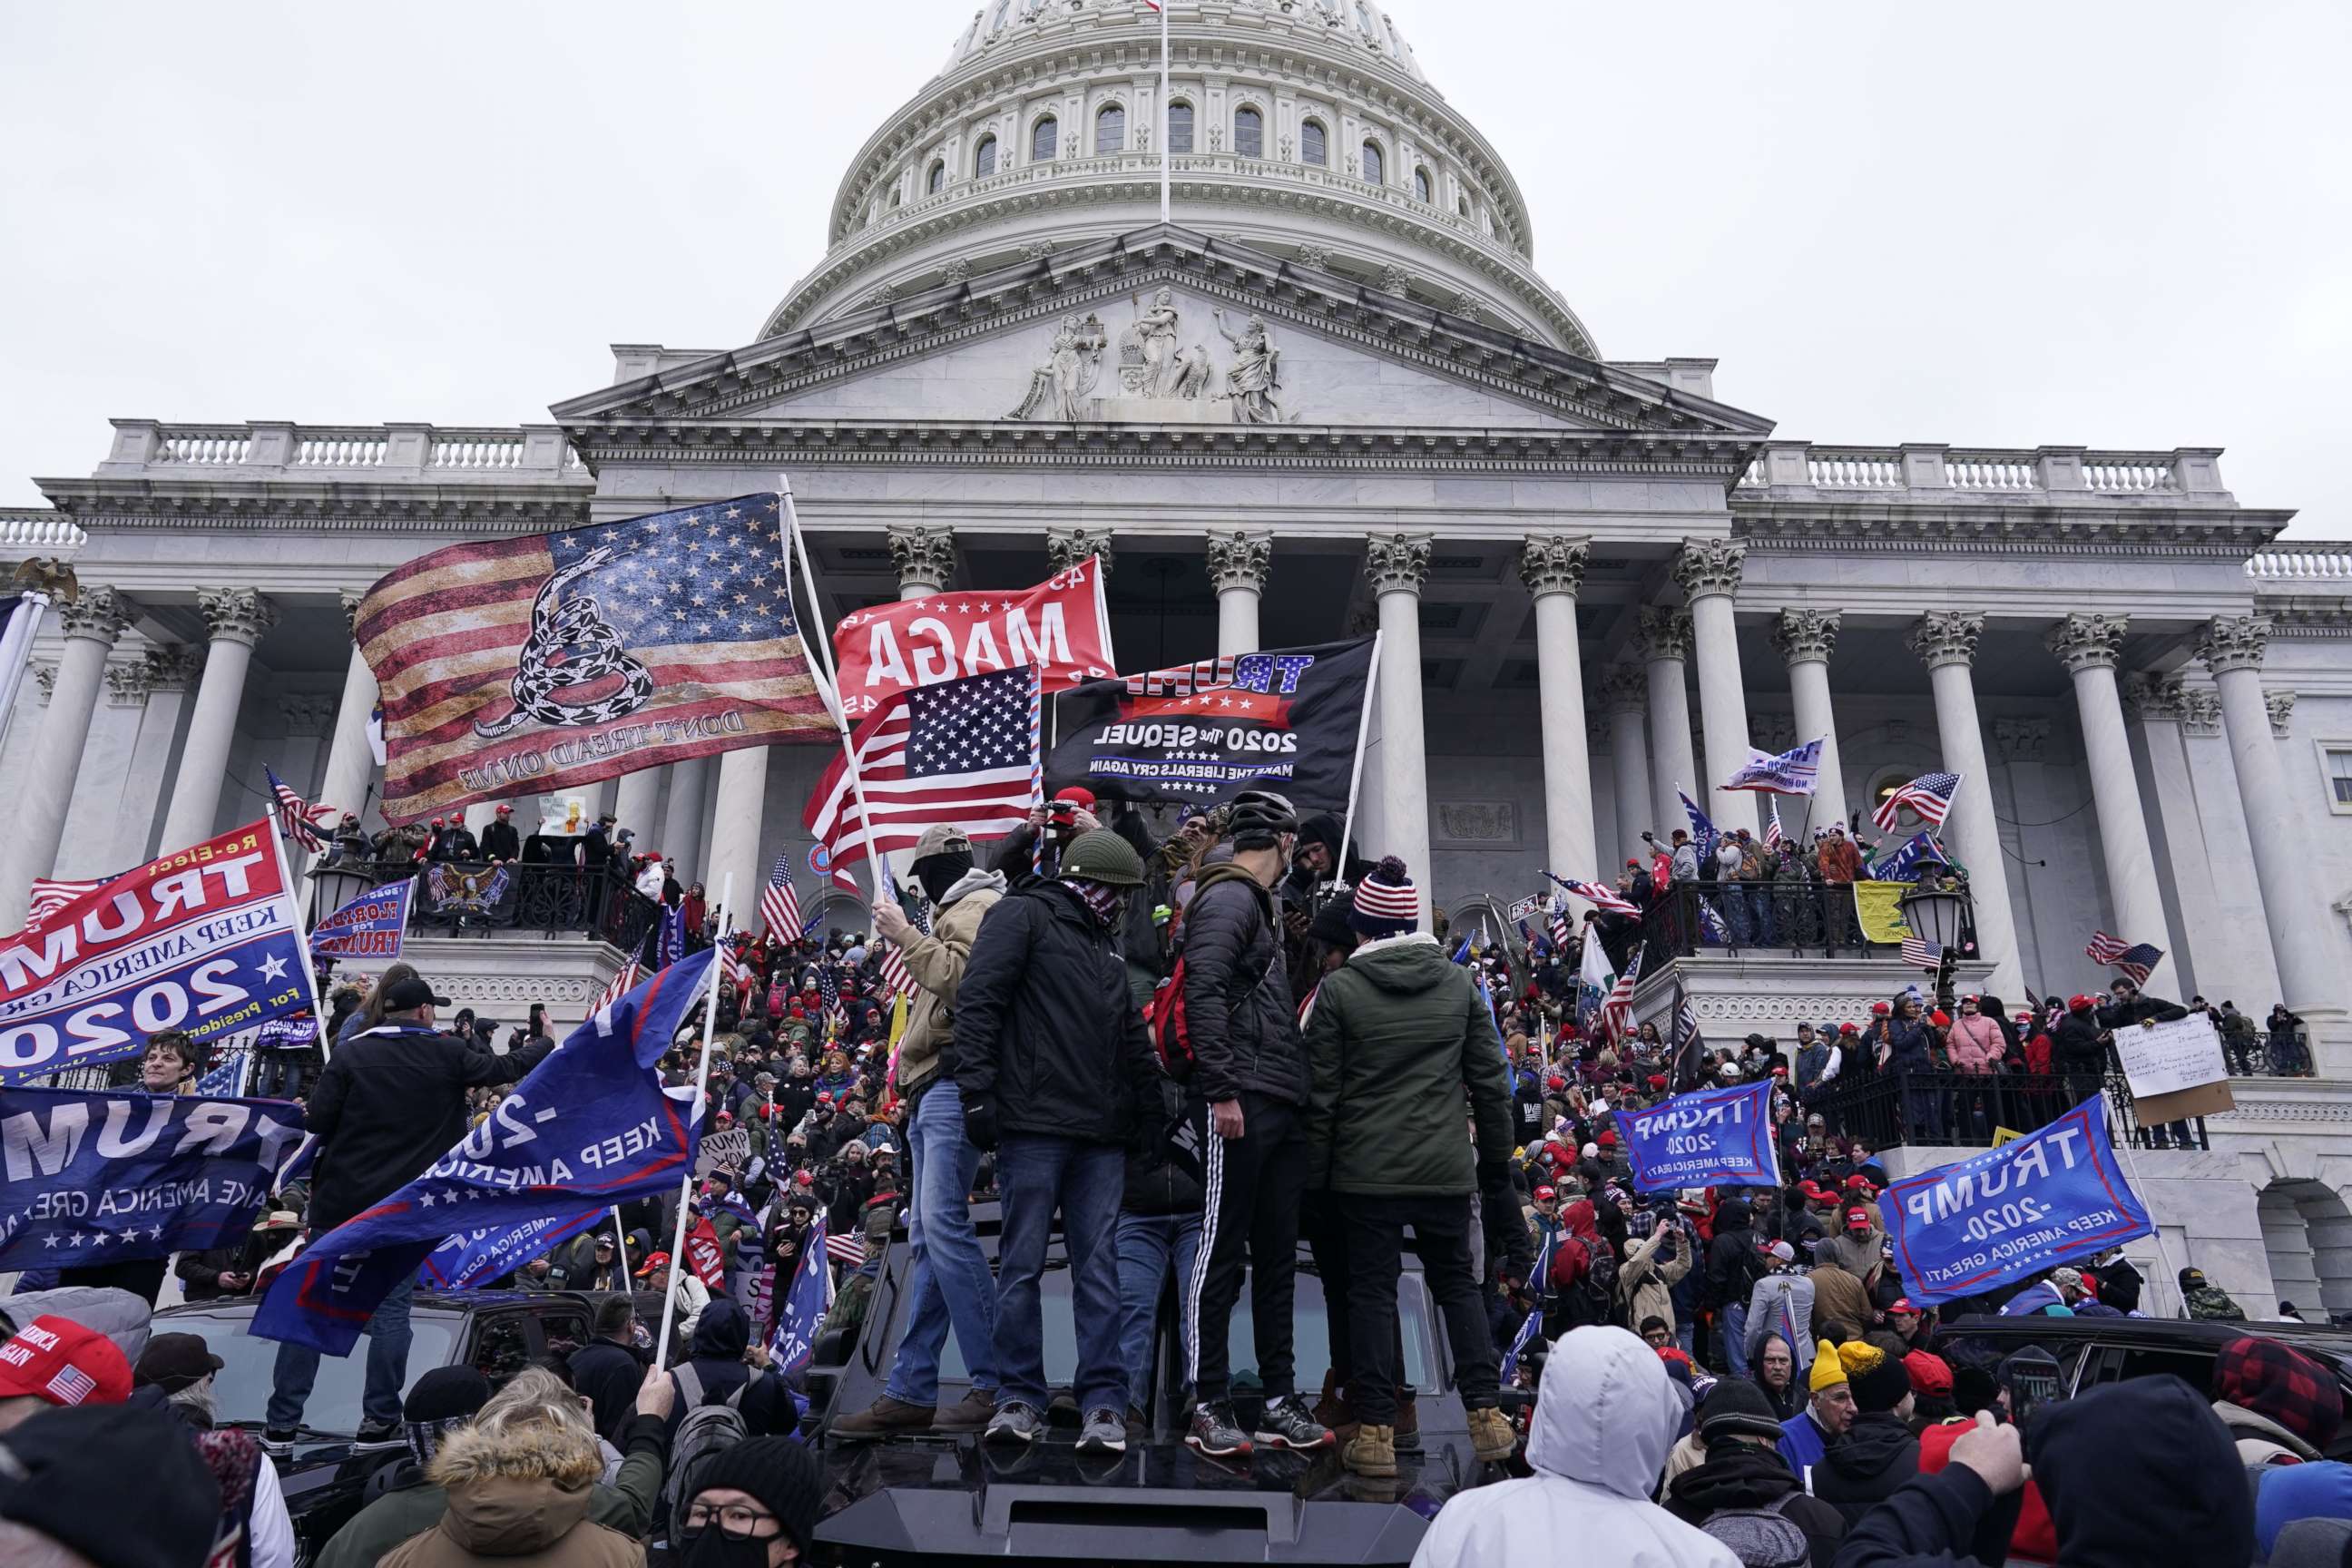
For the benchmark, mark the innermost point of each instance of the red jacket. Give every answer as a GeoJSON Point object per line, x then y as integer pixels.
{"type": "Point", "coordinates": [1570, 1262]}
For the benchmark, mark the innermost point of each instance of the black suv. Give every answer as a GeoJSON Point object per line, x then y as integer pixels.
{"type": "Point", "coordinates": [922, 1498]}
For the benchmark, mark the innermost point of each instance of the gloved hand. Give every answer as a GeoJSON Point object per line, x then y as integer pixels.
{"type": "Point", "coordinates": [979, 1122]}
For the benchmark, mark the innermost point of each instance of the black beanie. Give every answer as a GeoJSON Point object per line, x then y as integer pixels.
{"type": "Point", "coordinates": [1734, 1407]}
{"type": "Point", "coordinates": [76, 1467]}
{"type": "Point", "coordinates": [778, 1471]}
{"type": "Point", "coordinates": [1330, 925]}
{"type": "Point", "coordinates": [446, 1394]}
{"type": "Point", "coordinates": [1880, 1381]}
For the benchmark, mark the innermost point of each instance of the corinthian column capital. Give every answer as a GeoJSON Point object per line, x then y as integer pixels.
{"type": "Point", "coordinates": [1554, 563]}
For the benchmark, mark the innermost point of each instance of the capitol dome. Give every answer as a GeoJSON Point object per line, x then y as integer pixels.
{"type": "Point", "coordinates": [1304, 129]}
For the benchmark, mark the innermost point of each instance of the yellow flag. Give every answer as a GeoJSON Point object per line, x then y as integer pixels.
{"type": "Point", "coordinates": [1878, 906]}
{"type": "Point", "coordinates": [897, 1017]}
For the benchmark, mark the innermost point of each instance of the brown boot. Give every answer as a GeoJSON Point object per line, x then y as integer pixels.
{"type": "Point", "coordinates": [886, 1417]}
{"type": "Point", "coordinates": [1372, 1452]}
{"type": "Point", "coordinates": [1408, 1417]}
{"type": "Point", "coordinates": [1491, 1436]}
{"type": "Point", "coordinates": [973, 1413]}
{"type": "Point", "coordinates": [1333, 1411]}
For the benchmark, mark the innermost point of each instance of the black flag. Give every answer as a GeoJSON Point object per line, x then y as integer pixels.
{"type": "Point", "coordinates": [1285, 720]}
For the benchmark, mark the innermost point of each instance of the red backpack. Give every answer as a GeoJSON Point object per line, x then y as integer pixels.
{"type": "Point", "coordinates": [1171, 1032]}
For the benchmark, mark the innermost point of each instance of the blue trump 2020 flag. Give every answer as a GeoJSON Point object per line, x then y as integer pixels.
{"type": "Point", "coordinates": [1712, 1136]}
{"type": "Point", "coordinates": [1790, 772]}
{"type": "Point", "coordinates": [589, 1127]}
{"type": "Point", "coordinates": [2050, 1197]}
{"type": "Point", "coordinates": [102, 1176]}
{"type": "Point", "coordinates": [807, 1298]}
{"type": "Point", "coordinates": [1901, 864]}
{"type": "Point", "coordinates": [369, 926]}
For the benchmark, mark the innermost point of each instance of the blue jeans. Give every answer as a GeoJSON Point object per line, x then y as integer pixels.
{"type": "Point", "coordinates": [1037, 1175]}
{"type": "Point", "coordinates": [949, 1284]}
{"type": "Point", "coordinates": [388, 1368]}
{"type": "Point", "coordinates": [1148, 1246]}
{"type": "Point", "coordinates": [1735, 1338]}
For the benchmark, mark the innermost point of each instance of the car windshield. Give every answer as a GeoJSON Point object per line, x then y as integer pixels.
{"type": "Point", "coordinates": [241, 1388]}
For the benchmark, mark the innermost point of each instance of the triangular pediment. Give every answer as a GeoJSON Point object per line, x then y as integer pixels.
{"type": "Point", "coordinates": [1162, 327]}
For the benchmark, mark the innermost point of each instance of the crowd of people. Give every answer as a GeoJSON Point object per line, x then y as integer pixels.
{"type": "Point", "coordinates": [1191, 1055]}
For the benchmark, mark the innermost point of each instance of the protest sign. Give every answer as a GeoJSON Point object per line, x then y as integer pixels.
{"type": "Point", "coordinates": [1523, 909]}
{"type": "Point", "coordinates": [2050, 1196]}
{"type": "Point", "coordinates": [705, 1256]}
{"type": "Point", "coordinates": [2176, 1070]}
{"type": "Point", "coordinates": [487, 891]}
{"type": "Point", "coordinates": [371, 926]}
{"type": "Point", "coordinates": [208, 940]}
{"type": "Point", "coordinates": [1061, 626]}
{"type": "Point", "coordinates": [101, 1176]}
{"type": "Point", "coordinates": [295, 1034]}
{"type": "Point", "coordinates": [724, 1147]}
{"type": "Point", "coordinates": [1715, 1137]}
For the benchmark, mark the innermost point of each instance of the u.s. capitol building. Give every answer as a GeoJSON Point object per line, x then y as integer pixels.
{"type": "Point", "coordinates": [1334, 394]}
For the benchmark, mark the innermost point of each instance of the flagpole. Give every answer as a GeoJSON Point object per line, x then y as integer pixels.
{"type": "Point", "coordinates": [828, 688]}
{"type": "Point", "coordinates": [701, 1095]}
{"type": "Point", "coordinates": [301, 945]}
{"type": "Point", "coordinates": [1167, 142]}
{"type": "Point", "coordinates": [1356, 770]}
{"type": "Point", "coordinates": [620, 1241]}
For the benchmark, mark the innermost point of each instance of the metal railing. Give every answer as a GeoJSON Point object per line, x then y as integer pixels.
{"type": "Point", "coordinates": [1793, 918]}
{"type": "Point", "coordinates": [550, 899]}
{"type": "Point", "coordinates": [1967, 1110]}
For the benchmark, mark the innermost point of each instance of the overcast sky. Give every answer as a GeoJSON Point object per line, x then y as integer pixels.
{"type": "Point", "coordinates": [2118, 225]}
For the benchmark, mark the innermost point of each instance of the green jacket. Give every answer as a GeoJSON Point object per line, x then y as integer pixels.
{"type": "Point", "coordinates": [629, 1505]}
{"type": "Point", "coordinates": [1397, 1037]}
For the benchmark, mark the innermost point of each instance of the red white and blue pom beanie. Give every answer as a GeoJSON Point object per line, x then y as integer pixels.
{"type": "Point", "coordinates": [1387, 903]}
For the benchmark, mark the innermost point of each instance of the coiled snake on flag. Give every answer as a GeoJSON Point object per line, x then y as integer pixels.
{"type": "Point", "coordinates": [575, 633]}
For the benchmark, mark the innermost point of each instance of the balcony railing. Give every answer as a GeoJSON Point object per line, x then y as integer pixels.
{"type": "Point", "coordinates": [266, 449]}
{"type": "Point", "coordinates": [1969, 1111]}
{"type": "Point", "coordinates": [1928, 472]}
{"type": "Point", "coordinates": [1746, 919]}
{"type": "Point", "coordinates": [551, 900]}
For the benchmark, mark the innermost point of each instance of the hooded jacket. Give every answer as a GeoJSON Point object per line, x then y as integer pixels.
{"type": "Point", "coordinates": [1396, 1036]}
{"type": "Point", "coordinates": [1732, 1260]}
{"type": "Point", "coordinates": [523, 1494]}
{"type": "Point", "coordinates": [936, 961]}
{"type": "Point", "coordinates": [1237, 1002]}
{"type": "Point", "coordinates": [1604, 1417]}
{"type": "Point", "coordinates": [721, 1337]}
{"type": "Point", "coordinates": [1877, 1454]}
{"type": "Point", "coordinates": [1647, 1282]}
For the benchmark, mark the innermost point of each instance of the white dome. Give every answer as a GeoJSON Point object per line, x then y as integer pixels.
{"type": "Point", "coordinates": [1303, 128]}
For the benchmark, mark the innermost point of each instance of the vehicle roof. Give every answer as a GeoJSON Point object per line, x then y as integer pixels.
{"type": "Point", "coordinates": [445, 1301]}
{"type": "Point", "coordinates": [2323, 1337]}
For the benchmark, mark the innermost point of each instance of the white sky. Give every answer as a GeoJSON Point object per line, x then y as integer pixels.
{"type": "Point", "coordinates": [2115, 224]}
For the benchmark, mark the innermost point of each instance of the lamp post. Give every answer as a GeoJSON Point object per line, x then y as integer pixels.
{"type": "Point", "coordinates": [1935, 913]}
{"type": "Point", "coordinates": [334, 884]}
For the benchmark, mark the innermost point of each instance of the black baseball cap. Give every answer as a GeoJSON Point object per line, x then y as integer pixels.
{"type": "Point", "coordinates": [403, 995]}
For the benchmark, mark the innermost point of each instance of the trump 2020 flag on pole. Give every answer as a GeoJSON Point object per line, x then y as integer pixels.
{"type": "Point", "coordinates": [1712, 1137]}
{"type": "Point", "coordinates": [1704, 836]}
{"type": "Point", "coordinates": [1790, 772]}
{"type": "Point", "coordinates": [589, 1127]}
{"type": "Point", "coordinates": [369, 926]}
{"type": "Point", "coordinates": [2051, 1197]}
{"type": "Point", "coordinates": [539, 664]}
{"type": "Point", "coordinates": [806, 1299]}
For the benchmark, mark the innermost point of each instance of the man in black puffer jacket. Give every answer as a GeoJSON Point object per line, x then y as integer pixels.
{"type": "Point", "coordinates": [1251, 1069]}
{"type": "Point", "coordinates": [1879, 1452]}
{"type": "Point", "coordinates": [2128, 1007]}
{"type": "Point", "coordinates": [1052, 1058]}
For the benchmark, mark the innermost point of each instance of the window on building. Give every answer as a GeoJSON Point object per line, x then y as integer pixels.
{"type": "Point", "coordinates": [983, 158]}
{"type": "Point", "coordinates": [1421, 188]}
{"type": "Point", "coordinates": [1043, 138]}
{"type": "Point", "coordinates": [1372, 166]}
{"type": "Point", "coordinates": [1249, 133]}
{"type": "Point", "coordinates": [996, 23]}
{"type": "Point", "coordinates": [1111, 128]}
{"type": "Point", "coordinates": [936, 180]}
{"type": "Point", "coordinates": [2339, 777]}
{"type": "Point", "coordinates": [1310, 143]}
{"type": "Point", "coordinates": [1180, 128]}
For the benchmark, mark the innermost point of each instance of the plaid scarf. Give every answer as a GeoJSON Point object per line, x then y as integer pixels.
{"type": "Point", "coordinates": [1104, 901]}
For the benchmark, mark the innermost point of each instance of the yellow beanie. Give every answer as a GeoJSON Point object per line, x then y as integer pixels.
{"type": "Point", "coordinates": [1827, 1371]}
{"type": "Point", "coordinates": [1860, 1356]}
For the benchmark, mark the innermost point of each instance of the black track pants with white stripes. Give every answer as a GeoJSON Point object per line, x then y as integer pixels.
{"type": "Point", "coordinates": [1250, 1205]}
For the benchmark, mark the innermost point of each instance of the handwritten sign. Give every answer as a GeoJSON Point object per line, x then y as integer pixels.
{"type": "Point", "coordinates": [2164, 1057]}
{"type": "Point", "coordinates": [727, 1147]}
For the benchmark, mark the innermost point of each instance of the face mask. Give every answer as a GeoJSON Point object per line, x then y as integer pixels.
{"type": "Point", "coordinates": [712, 1548]}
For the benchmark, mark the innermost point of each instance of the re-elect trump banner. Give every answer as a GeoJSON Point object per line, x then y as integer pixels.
{"type": "Point", "coordinates": [1061, 626]}
{"type": "Point", "coordinates": [99, 1177]}
{"type": "Point", "coordinates": [207, 940]}
{"type": "Point", "coordinates": [1714, 1137]}
{"type": "Point", "coordinates": [371, 926]}
{"type": "Point", "coordinates": [1285, 720]}
{"type": "Point", "coordinates": [2041, 1200]}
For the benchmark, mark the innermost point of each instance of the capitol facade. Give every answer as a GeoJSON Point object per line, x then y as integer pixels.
{"type": "Point", "coordinates": [1333, 394]}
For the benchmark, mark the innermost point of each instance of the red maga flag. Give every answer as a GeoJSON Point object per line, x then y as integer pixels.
{"type": "Point", "coordinates": [1060, 627]}
{"type": "Point", "coordinates": [523, 665]}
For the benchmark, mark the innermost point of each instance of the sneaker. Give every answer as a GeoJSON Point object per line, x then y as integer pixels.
{"type": "Point", "coordinates": [1491, 1436]}
{"type": "Point", "coordinates": [376, 1436]}
{"type": "Point", "coordinates": [1105, 1433]}
{"type": "Point", "coordinates": [973, 1413]}
{"type": "Point", "coordinates": [1016, 1422]}
{"type": "Point", "coordinates": [1213, 1432]}
{"type": "Point", "coordinates": [278, 1444]}
{"type": "Point", "coordinates": [886, 1417]}
{"type": "Point", "coordinates": [1286, 1424]}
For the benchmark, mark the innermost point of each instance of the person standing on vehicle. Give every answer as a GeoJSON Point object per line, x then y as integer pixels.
{"type": "Point", "coordinates": [1051, 1059]}
{"type": "Point", "coordinates": [948, 1283]}
{"type": "Point", "coordinates": [1253, 1072]}
{"type": "Point", "coordinates": [1159, 1231]}
{"type": "Point", "coordinates": [1399, 1039]}
{"type": "Point", "coordinates": [390, 1101]}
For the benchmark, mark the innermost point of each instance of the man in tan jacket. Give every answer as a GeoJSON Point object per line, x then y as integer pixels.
{"type": "Point", "coordinates": [949, 1283]}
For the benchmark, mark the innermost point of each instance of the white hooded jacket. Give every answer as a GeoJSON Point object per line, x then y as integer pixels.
{"type": "Point", "coordinates": [1605, 1418]}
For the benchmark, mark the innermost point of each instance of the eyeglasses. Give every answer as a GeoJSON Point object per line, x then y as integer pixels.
{"type": "Point", "coordinates": [737, 1521]}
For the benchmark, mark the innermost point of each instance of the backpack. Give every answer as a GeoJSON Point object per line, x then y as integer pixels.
{"type": "Point", "coordinates": [1593, 1299]}
{"type": "Point", "coordinates": [708, 1430]}
{"type": "Point", "coordinates": [1165, 1017]}
{"type": "Point", "coordinates": [1761, 1537]}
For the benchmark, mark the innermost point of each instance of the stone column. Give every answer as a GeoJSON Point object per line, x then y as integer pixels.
{"type": "Point", "coordinates": [168, 676]}
{"type": "Point", "coordinates": [924, 558]}
{"type": "Point", "coordinates": [90, 629]}
{"type": "Point", "coordinates": [1709, 571]}
{"type": "Point", "coordinates": [682, 820]}
{"type": "Point", "coordinates": [1662, 639]}
{"type": "Point", "coordinates": [1397, 563]}
{"type": "Point", "coordinates": [235, 617]}
{"type": "Point", "coordinates": [1946, 642]}
{"type": "Point", "coordinates": [735, 828]}
{"type": "Point", "coordinates": [2090, 645]}
{"type": "Point", "coordinates": [351, 764]}
{"type": "Point", "coordinates": [2308, 954]}
{"type": "Point", "coordinates": [1552, 566]}
{"type": "Point", "coordinates": [1624, 694]}
{"type": "Point", "coordinates": [640, 793]}
{"type": "Point", "coordinates": [1239, 559]}
{"type": "Point", "coordinates": [1065, 547]}
{"type": "Point", "coordinates": [1806, 639]}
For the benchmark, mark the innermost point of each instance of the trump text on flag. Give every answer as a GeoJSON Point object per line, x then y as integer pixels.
{"type": "Point", "coordinates": [1716, 1137]}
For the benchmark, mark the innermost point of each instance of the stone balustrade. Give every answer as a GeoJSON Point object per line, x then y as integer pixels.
{"type": "Point", "coordinates": [2289, 564]}
{"type": "Point", "coordinates": [153, 449]}
{"type": "Point", "coordinates": [1926, 472]}
{"type": "Point", "coordinates": [39, 533]}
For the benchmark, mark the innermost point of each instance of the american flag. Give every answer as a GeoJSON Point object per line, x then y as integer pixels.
{"type": "Point", "coordinates": [1617, 1012]}
{"type": "Point", "coordinates": [847, 1250]}
{"type": "Point", "coordinates": [829, 990]}
{"type": "Point", "coordinates": [1929, 796]}
{"type": "Point", "coordinates": [297, 817]}
{"type": "Point", "coordinates": [1773, 837]}
{"type": "Point", "coordinates": [1919, 950]}
{"type": "Point", "coordinates": [896, 979]}
{"type": "Point", "coordinates": [620, 985]}
{"type": "Point", "coordinates": [1608, 900]}
{"type": "Point", "coordinates": [1558, 926]}
{"type": "Point", "coordinates": [780, 903]}
{"type": "Point", "coordinates": [227, 1080]}
{"type": "Point", "coordinates": [959, 752]}
{"type": "Point", "coordinates": [2138, 959]}
{"type": "Point", "coordinates": [71, 1386]}
{"type": "Point", "coordinates": [50, 895]}
{"type": "Point", "coordinates": [677, 628]}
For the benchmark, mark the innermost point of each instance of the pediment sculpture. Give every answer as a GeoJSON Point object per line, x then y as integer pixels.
{"type": "Point", "coordinates": [1161, 379]}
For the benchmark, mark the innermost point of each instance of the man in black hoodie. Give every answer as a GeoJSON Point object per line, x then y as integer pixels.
{"type": "Point", "coordinates": [1744, 1472]}
{"type": "Point", "coordinates": [1879, 1452]}
{"type": "Point", "coordinates": [1733, 1266]}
